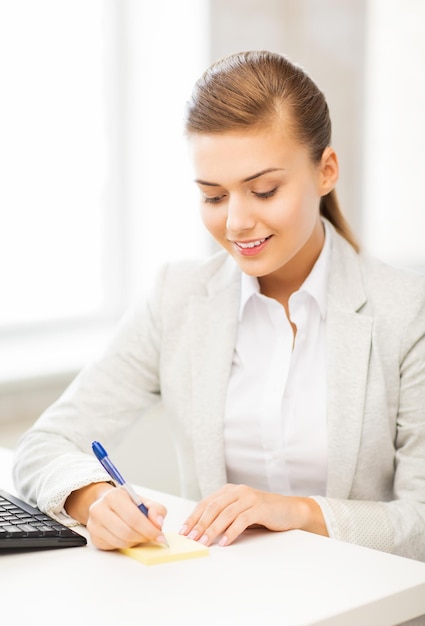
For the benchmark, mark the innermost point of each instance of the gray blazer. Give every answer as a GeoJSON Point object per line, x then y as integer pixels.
{"type": "Point", "coordinates": [177, 346]}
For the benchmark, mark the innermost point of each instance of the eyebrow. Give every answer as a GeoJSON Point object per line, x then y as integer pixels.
{"type": "Point", "coordinates": [245, 180]}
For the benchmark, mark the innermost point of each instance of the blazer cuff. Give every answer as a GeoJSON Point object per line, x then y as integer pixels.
{"type": "Point", "coordinates": [361, 522]}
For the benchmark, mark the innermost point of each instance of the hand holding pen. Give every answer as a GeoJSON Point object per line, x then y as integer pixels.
{"type": "Point", "coordinates": [134, 521]}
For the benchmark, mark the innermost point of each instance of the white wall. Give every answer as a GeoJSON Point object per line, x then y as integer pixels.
{"type": "Point", "coordinates": [394, 138]}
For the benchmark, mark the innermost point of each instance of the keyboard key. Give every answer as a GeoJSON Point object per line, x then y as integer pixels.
{"type": "Point", "coordinates": [13, 530]}
{"type": "Point", "coordinates": [27, 528]}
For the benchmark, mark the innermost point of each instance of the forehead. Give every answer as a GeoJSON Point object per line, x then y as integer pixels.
{"type": "Point", "coordinates": [237, 155]}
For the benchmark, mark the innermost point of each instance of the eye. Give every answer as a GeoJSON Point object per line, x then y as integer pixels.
{"type": "Point", "coordinates": [265, 194]}
{"type": "Point", "coordinates": [213, 199]}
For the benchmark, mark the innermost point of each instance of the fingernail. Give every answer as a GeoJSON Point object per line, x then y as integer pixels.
{"type": "Point", "coordinates": [193, 534]}
{"type": "Point", "coordinates": [160, 521]}
{"type": "Point", "coordinates": [161, 539]}
{"type": "Point", "coordinates": [183, 530]}
{"type": "Point", "coordinates": [223, 541]}
{"type": "Point", "coordinates": [204, 540]}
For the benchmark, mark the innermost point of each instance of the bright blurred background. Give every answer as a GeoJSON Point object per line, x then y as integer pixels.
{"type": "Point", "coordinates": [96, 190]}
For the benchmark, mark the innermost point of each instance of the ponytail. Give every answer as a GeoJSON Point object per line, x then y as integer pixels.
{"type": "Point", "coordinates": [330, 209]}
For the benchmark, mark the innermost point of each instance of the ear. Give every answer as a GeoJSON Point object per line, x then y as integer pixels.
{"type": "Point", "coordinates": [329, 171]}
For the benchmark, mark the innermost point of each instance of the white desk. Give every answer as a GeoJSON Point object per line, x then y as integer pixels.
{"type": "Point", "coordinates": [292, 578]}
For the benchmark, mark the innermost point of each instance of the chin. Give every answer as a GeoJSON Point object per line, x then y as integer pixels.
{"type": "Point", "coordinates": [252, 268]}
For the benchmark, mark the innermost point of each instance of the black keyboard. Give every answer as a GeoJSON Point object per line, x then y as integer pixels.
{"type": "Point", "coordinates": [22, 526]}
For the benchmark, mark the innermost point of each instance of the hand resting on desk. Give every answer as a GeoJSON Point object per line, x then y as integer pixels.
{"type": "Point", "coordinates": [233, 508]}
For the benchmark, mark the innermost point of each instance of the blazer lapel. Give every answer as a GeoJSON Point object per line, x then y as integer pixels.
{"type": "Point", "coordinates": [348, 350]}
{"type": "Point", "coordinates": [214, 319]}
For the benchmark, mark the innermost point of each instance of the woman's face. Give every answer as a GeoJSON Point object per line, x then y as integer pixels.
{"type": "Point", "coordinates": [260, 196]}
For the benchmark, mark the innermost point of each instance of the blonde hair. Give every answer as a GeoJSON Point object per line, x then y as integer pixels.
{"type": "Point", "coordinates": [253, 89]}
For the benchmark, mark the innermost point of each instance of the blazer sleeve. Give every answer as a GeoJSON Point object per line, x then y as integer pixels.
{"type": "Point", "coordinates": [396, 526]}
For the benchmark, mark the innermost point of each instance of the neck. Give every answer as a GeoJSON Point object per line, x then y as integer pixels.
{"type": "Point", "coordinates": [289, 278]}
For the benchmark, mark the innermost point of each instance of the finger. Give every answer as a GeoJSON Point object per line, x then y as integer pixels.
{"type": "Point", "coordinates": [157, 511]}
{"type": "Point", "coordinates": [123, 505]}
{"type": "Point", "coordinates": [197, 519]}
{"type": "Point", "coordinates": [193, 518]}
{"type": "Point", "coordinates": [116, 522]}
{"type": "Point", "coordinates": [230, 523]}
{"type": "Point", "coordinates": [110, 536]}
{"type": "Point", "coordinates": [240, 523]}
{"type": "Point", "coordinates": [214, 509]}
{"type": "Point", "coordinates": [108, 530]}
{"type": "Point", "coordinates": [147, 526]}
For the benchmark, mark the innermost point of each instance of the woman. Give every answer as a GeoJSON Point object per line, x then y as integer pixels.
{"type": "Point", "coordinates": [290, 364]}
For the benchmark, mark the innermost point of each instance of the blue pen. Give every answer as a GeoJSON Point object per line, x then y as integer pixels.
{"type": "Point", "coordinates": [104, 459]}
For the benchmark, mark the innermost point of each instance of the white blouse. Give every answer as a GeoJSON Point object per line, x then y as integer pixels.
{"type": "Point", "coordinates": [275, 416]}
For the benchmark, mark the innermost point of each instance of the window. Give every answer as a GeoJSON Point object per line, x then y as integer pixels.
{"type": "Point", "coordinates": [53, 161]}
{"type": "Point", "coordinates": [91, 156]}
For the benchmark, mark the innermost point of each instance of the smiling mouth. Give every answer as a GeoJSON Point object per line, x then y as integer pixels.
{"type": "Point", "coordinates": [251, 244]}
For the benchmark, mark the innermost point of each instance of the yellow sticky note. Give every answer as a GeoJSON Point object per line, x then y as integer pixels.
{"type": "Point", "coordinates": [180, 547]}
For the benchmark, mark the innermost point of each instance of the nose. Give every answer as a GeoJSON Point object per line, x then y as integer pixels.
{"type": "Point", "coordinates": [239, 216]}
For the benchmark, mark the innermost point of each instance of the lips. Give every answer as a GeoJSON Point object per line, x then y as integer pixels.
{"type": "Point", "coordinates": [251, 248]}
{"type": "Point", "coordinates": [250, 244]}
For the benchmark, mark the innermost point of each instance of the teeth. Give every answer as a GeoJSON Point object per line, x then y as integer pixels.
{"type": "Point", "coordinates": [251, 244]}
